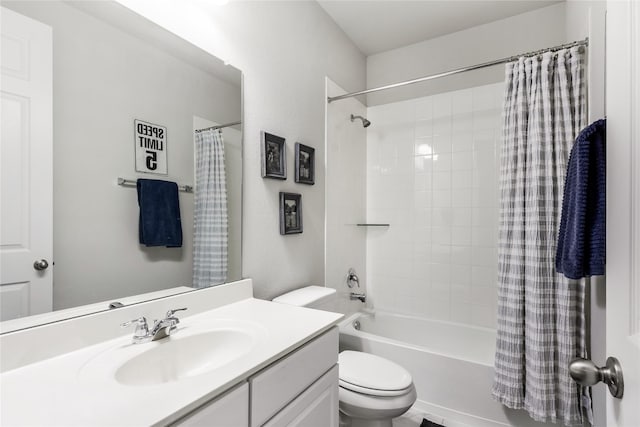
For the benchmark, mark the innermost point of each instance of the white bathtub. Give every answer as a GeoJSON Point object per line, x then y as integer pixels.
{"type": "Point", "coordinates": [451, 365]}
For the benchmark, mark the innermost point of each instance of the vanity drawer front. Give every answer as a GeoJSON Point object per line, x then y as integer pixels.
{"type": "Point", "coordinates": [282, 382]}
{"type": "Point", "coordinates": [316, 407]}
{"type": "Point", "coordinates": [229, 410]}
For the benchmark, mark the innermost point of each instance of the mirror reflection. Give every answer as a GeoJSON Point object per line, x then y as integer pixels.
{"type": "Point", "coordinates": [111, 96]}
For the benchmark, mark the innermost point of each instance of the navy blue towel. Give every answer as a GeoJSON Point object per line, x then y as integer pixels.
{"type": "Point", "coordinates": [581, 240]}
{"type": "Point", "coordinates": [160, 223]}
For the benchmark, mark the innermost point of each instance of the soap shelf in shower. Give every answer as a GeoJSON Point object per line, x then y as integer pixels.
{"type": "Point", "coordinates": [372, 225]}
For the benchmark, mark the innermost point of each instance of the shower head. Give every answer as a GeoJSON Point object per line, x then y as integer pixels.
{"type": "Point", "coordinates": [365, 122]}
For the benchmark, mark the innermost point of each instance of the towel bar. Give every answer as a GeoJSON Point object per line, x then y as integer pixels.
{"type": "Point", "coordinates": [132, 183]}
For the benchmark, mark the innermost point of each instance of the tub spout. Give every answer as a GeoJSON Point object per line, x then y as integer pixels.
{"type": "Point", "coordinates": [354, 296]}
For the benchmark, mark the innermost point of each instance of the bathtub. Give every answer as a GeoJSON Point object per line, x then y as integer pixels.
{"type": "Point", "coordinates": [451, 365]}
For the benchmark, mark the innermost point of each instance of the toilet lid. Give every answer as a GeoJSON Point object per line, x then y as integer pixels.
{"type": "Point", "coordinates": [370, 374]}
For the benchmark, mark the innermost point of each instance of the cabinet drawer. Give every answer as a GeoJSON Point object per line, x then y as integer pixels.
{"type": "Point", "coordinates": [316, 407]}
{"type": "Point", "coordinates": [279, 384]}
{"type": "Point", "coordinates": [229, 410]}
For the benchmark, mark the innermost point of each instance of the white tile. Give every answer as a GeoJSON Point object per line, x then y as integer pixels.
{"type": "Point", "coordinates": [441, 105]}
{"type": "Point", "coordinates": [422, 217]}
{"type": "Point", "coordinates": [462, 101]}
{"type": "Point", "coordinates": [484, 236]}
{"type": "Point", "coordinates": [484, 216]}
{"type": "Point", "coordinates": [462, 141]}
{"type": "Point", "coordinates": [438, 309]}
{"type": "Point", "coordinates": [441, 143]}
{"type": "Point", "coordinates": [442, 217]}
{"type": "Point", "coordinates": [461, 197]}
{"type": "Point", "coordinates": [483, 98]}
{"type": "Point", "coordinates": [462, 179]}
{"type": "Point", "coordinates": [441, 180]}
{"type": "Point", "coordinates": [462, 160]}
{"type": "Point", "coordinates": [461, 217]}
{"type": "Point", "coordinates": [461, 292]}
{"type": "Point", "coordinates": [442, 125]}
{"type": "Point", "coordinates": [440, 273]}
{"type": "Point", "coordinates": [484, 140]}
{"type": "Point", "coordinates": [441, 254]}
{"type": "Point", "coordinates": [422, 200]}
{"type": "Point", "coordinates": [461, 255]}
{"type": "Point", "coordinates": [440, 290]}
{"type": "Point", "coordinates": [461, 274]}
{"type": "Point", "coordinates": [461, 236]}
{"type": "Point", "coordinates": [484, 295]}
{"type": "Point", "coordinates": [423, 146]}
{"type": "Point", "coordinates": [442, 162]}
{"type": "Point", "coordinates": [423, 128]}
{"type": "Point", "coordinates": [483, 120]}
{"type": "Point", "coordinates": [441, 235]}
{"type": "Point", "coordinates": [441, 198]}
{"type": "Point", "coordinates": [484, 256]}
{"type": "Point", "coordinates": [462, 123]}
{"type": "Point", "coordinates": [422, 270]}
{"type": "Point", "coordinates": [460, 311]}
{"type": "Point", "coordinates": [424, 108]}
{"type": "Point", "coordinates": [482, 276]}
{"type": "Point", "coordinates": [423, 164]}
{"type": "Point", "coordinates": [483, 316]}
{"type": "Point", "coordinates": [485, 196]}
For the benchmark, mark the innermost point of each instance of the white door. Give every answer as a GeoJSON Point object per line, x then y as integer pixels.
{"type": "Point", "coordinates": [623, 206]}
{"type": "Point", "coordinates": [26, 189]}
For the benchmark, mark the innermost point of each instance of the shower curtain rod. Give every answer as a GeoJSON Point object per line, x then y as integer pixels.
{"type": "Point", "coordinates": [584, 42]}
{"type": "Point", "coordinates": [226, 125]}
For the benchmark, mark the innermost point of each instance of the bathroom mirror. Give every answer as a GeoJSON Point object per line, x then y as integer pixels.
{"type": "Point", "coordinates": [111, 67]}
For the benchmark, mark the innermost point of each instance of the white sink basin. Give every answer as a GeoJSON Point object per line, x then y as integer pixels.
{"type": "Point", "coordinates": [189, 352]}
{"type": "Point", "coordinates": [184, 357]}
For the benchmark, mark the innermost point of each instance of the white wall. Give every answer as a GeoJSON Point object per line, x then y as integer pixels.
{"type": "Point", "coordinates": [285, 50]}
{"type": "Point", "coordinates": [518, 34]}
{"type": "Point", "coordinates": [432, 174]}
{"type": "Point", "coordinates": [103, 80]}
{"type": "Point", "coordinates": [346, 174]}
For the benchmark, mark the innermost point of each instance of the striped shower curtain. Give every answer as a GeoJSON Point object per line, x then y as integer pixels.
{"type": "Point", "coordinates": [210, 216]}
{"type": "Point", "coordinates": [540, 313]}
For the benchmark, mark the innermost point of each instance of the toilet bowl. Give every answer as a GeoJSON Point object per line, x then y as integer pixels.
{"type": "Point", "coordinates": [373, 390]}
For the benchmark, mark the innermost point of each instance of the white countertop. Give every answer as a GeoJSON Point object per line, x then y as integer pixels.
{"type": "Point", "coordinates": [58, 391]}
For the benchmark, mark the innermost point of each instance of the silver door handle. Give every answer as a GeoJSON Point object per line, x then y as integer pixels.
{"type": "Point", "coordinates": [41, 264]}
{"type": "Point", "coordinates": [586, 373]}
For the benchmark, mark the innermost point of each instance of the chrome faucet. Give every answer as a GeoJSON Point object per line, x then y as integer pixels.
{"type": "Point", "coordinates": [361, 296]}
{"type": "Point", "coordinates": [160, 329]}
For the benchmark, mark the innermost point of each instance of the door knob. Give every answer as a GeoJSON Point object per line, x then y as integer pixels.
{"type": "Point", "coordinates": [586, 373]}
{"type": "Point", "coordinates": [41, 264]}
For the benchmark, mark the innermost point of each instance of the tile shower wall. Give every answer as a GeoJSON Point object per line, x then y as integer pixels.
{"type": "Point", "coordinates": [432, 174]}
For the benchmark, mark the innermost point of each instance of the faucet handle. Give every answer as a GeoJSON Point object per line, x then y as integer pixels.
{"type": "Point", "coordinates": [142, 328]}
{"type": "Point", "coordinates": [170, 313]}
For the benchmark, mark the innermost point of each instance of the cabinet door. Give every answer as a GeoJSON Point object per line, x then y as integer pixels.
{"type": "Point", "coordinates": [229, 410]}
{"type": "Point", "coordinates": [279, 384]}
{"type": "Point", "coordinates": [317, 406]}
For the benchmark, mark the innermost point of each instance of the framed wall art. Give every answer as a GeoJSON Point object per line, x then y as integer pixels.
{"type": "Point", "coordinates": [305, 164]}
{"type": "Point", "coordinates": [274, 159]}
{"type": "Point", "coordinates": [290, 213]}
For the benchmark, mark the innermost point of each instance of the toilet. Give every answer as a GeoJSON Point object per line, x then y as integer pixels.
{"type": "Point", "coordinates": [373, 390]}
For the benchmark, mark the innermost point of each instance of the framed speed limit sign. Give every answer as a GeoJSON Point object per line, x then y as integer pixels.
{"type": "Point", "coordinates": [151, 147]}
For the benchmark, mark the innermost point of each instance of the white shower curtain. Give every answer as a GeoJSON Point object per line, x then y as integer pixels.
{"type": "Point", "coordinates": [210, 213]}
{"type": "Point", "coordinates": [540, 313]}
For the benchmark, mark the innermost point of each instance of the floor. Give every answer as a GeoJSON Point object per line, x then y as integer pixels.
{"type": "Point", "coordinates": [413, 418]}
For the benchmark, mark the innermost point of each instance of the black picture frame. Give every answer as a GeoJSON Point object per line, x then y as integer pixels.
{"type": "Point", "coordinates": [305, 164]}
{"type": "Point", "coordinates": [274, 156]}
{"type": "Point", "coordinates": [290, 213]}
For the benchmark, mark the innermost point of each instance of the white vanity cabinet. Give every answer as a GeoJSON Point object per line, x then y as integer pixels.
{"type": "Point", "coordinates": [301, 389]}
{"type": "Point", "coordinates": [229, 410]}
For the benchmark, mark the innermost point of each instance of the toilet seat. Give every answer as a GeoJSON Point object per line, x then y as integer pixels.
{"type": "Point", "coordinates": [372, 375]}
{"type": "Point", "coordinates": [372, 391]}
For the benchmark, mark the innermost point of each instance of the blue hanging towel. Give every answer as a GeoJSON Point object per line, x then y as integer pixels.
{"type": "Point", "coordinates": [159, 223]}
{"type": "Point", "coordinates": [581, 240]}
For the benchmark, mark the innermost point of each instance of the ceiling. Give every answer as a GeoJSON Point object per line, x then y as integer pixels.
{"type": "Point", "coordinates": [379, 25]}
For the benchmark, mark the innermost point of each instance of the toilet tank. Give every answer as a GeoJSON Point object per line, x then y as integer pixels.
{"type": "Point", "coordinates": [318, 297]}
